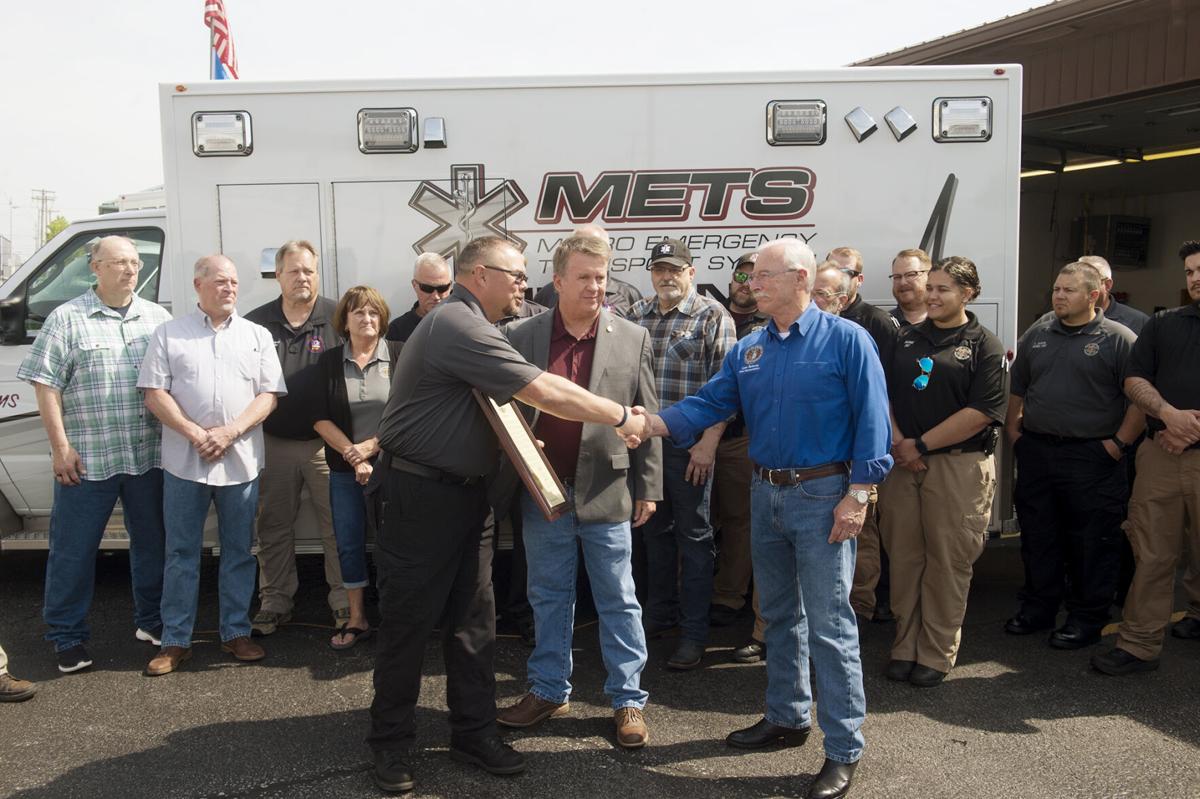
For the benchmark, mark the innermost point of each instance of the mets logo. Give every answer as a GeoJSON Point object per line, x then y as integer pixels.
{"type": "Point", "coordinates": [466, 211]}
{"type": "Point", "coordinates": [753, 354]}
{"type": "Point", "coordinates": [1091, 349]}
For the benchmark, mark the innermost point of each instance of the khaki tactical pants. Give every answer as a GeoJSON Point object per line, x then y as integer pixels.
{"type": "Point", "coordinates": [291, 465]}
{"type": "Point", "coordinates": [934, 525]}
{"type": "Point", "coordinates": [1166, 487]}
{"type": "Point", "coordinates": [867, 564]}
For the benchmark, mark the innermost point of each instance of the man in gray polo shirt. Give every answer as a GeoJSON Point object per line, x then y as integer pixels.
{"type": "Point", "coordinates": [433, 559]}
{"type": "Point", "coordinates": [1114, 311]}
{"type": "Point", "coordinates": [1071, 427]}
{"type": "Point", "coordinates": [210, 377]}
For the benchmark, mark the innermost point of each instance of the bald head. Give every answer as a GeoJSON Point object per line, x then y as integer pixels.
{"type": "Point", "coordinates": [592, 230]}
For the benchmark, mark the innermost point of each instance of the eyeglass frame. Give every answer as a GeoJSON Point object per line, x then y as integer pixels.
{"type": "Point", "coordinates": [429, 288]}
{"type": "Point", "coordinates": [909, 276]}
{"type": "Point", "coordinates": [518, 277]}
{"type": "Point", "coordinates": [139, 263]}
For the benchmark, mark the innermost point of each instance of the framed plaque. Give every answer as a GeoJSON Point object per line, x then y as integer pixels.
{"type": "Point", "coordinates": [531, 463]}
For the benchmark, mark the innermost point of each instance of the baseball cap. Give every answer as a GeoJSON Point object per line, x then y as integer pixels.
{"type": "Point", "coordinates": [671, 251]}
{"type": "Point", "coordinates": [747, 258]}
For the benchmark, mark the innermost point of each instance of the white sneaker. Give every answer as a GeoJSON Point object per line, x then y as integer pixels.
{"type": "Point", "coordinates": [149, 638]}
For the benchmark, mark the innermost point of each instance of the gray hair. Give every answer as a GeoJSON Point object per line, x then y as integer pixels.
{"type": "Point", "coordinates": [1088, 273]}
{"type": "Point", "coordinates": [206, 262]}
{"type": "Point", "coordinates": [843, 279]}
{"type": "Point", "coordinates": [295, 245]}
{"type": "Point", "coordinates": [796, 255]}
{"type": "Point", "coordinates": [1099, 263]}
{"type": "Point", "coordinates": [429, 259]}
{"type": "Point", "coordinates": [593, 230]}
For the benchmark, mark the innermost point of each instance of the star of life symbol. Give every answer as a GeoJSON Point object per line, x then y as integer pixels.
{"type": "Point", "coordinates": [466, 212]}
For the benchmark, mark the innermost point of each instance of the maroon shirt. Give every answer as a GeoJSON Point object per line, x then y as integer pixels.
{"type": "Point", "coordinates": [570, 358]}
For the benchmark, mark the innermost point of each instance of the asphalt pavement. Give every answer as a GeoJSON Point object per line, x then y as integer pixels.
{"type": "Point", "coordinates": [1014, 719]}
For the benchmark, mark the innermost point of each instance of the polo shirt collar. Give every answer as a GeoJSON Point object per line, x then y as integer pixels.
{"type": "Point", "coordinates": [941, 336]}
{"type": "Point", "coordinates": [380, 346]}
{"type": "Point", "coordinates": [1058, 327]}
{"type": "Point", "coordinates": [464, 295]}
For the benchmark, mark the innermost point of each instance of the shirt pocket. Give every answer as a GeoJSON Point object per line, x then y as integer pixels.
{"type": "Point", "coordinates": [809, 381]}
{"type": "Point", "coordinates": [97, 354]}
{"type": "Point", "coordinates": [249, 363]}
{"type": "Point", "coordinates": [686, 345]}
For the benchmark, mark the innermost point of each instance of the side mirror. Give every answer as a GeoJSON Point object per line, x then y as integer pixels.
{"type": "Point", "coordinates": [12, 319]}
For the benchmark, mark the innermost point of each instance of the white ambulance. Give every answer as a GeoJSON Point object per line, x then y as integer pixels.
{"type": "Point", "coordinates": [376, 172]}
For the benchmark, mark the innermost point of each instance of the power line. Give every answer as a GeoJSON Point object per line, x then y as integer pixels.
{"type": "Point", "coordinates": [42, 200]}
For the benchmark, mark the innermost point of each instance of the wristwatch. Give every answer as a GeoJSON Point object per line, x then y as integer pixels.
{"type": "Point", "coordinates": [1121, 445]}
{"type": "Point", "coordinates": [921, 448]}
{"type": "Point", "coordinates": [859, 495]}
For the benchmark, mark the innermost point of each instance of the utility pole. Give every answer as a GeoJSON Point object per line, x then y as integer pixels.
{"type": "Point", "coordinates": [42, 200]}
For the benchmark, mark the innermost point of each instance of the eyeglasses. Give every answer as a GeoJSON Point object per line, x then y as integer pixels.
{"type": "Point", "coordinates": [517, 275]}
{"type": "Point", "coordinates": [849, 270]}
{"type": "Point", "coordinates": [826, 294]}
{"type": "Point", "coordinates": [760, 275]}
{"type": "Point", "coordinates": [741, 277]}
{"type": "Point", "coordinates": [661, 268]}
{"type": "Point", "coordinates": [431, 289]}
{"type": "Point", "coordinates": [922, 381]}
{"type": "Point", "coordinates": [909, 276]}
{"type": "Point", "coordinates": [121, 262]}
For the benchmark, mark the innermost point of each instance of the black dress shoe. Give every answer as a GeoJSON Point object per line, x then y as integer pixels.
{"type": "Point", "coordinates": [491, 754]}
{"type": "Point", "coordinates": [883, 613]}
{"type": "Point", "coordinates": [899, 670]}
{"type": "Point", "coordinates": [925, 677]}
{"type": "Point", "coordinates": [1023, 625]}
{"type": "Point", "coordinates": [392, 772]}
{"type": "Point", "coordinates": [1187, 627]}
{"type": "Point", "coordinates": [833, 781]}
{"type": "Point", "coordinates": [1117, 662]}
{"type": "Point", "coordinates": [1072, 636]}
{"type": "Point", "coordinates": [752, 652]}
{"type": "Point", "coordinates": [764, 733]}
{"type": "Point", "coordinates": [686, 656]}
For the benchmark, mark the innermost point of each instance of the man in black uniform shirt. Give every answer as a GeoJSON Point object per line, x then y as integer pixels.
{"type": "Point", "coordinates": [432, 284]}
{"type": "Point", "coordinates": [1164, 381]}
{"type": "Point", "coordinates": [434, 561]}
{"type": "Point", "coordinates": [1070, 427]}
{"type": "Point", "coordinates": [871, 593]}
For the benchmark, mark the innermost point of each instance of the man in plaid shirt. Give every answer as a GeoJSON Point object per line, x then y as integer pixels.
{"type": "Point", "coordinates": [690, 335]}
{"type": "Point", "coordinates": [104, 444]}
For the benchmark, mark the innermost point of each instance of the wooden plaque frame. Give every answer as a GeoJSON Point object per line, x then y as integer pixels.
{"type": "Point", "coordinates": [531, 463]}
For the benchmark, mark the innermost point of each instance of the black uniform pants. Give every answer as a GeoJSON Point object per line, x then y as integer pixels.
{"type": "Point", "coordinates": [1071, 499]}
{"type": "Point", "coordinates": [434, 563]}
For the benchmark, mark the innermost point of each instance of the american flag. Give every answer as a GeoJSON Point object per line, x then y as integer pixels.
{"type": "Point", "coordinates": [223, 57]}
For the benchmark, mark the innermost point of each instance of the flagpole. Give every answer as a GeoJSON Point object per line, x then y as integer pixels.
{"type": "Point", "coordinates": [212, 64]}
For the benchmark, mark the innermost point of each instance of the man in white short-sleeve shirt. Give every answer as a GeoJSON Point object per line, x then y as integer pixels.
{"type": "Point", "coordinates": [211, 377]}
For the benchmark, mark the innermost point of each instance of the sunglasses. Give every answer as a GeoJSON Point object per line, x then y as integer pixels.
{"type": "Point", "coordinates": [922, 381]}
{"type": "Point", "coordinates": [741, 277]}
{"type": "Point", "coordinates": [430, 289]}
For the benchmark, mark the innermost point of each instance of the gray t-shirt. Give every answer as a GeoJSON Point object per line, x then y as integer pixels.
{"type": "Point", "coordinates": [367, 389]}
{"type": "Point", "coordinates": [1072, 381]}
{"type": "Point", "coordinates": [432, 418]}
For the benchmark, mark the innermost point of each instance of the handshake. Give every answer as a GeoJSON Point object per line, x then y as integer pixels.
{"type": "Point", "coordinates": [639, 426]}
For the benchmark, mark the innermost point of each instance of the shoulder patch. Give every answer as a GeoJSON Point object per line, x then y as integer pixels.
{"type": "Point", "coordinates": [753, 354]}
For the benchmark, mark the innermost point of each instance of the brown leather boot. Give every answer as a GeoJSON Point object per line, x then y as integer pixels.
{"type": "Point", "coordinates": [529, 711]}
{"type": "Point", "coordinates": [14, 690]}
{"type": "Point", "coordinates": [631, 728]}
{"type": "Point", "coordinates": [243, 649]}
{"type": "Point", "coordinates": [167, 660]}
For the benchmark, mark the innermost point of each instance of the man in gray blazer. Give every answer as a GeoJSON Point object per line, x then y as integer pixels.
{"type": "Point", "coordinates": [592, 347]}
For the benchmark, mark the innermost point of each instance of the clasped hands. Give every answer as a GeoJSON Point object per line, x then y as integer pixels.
{"type": "Point", "coordinates": [638, 427]}
{"type": "Point", "coordinates": [212, 442]}
{"type": "Point", "coordinates": [1182, 430]}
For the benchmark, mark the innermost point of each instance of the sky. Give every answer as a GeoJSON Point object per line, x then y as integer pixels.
{"type": "Point", "coordinates": [79, 93]}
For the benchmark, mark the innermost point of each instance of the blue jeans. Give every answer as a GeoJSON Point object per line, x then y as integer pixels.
{"type": "Point", "coordinates": [185, 504]}
{"type": "Point", "coordinates": [349, 508]}
{"type": "Point", "coordinates": [804, 595]}
{"type": "Point", "coordinates": [679, 551]}
{"type": "Point", "coordinates": [76, 527]}
{"type": "Point", "coordinates": [552, 556]}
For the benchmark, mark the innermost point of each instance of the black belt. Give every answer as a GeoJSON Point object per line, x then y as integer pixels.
{"type": "Point", "coordinates": [791, 477]}
{"type": "Point", "coordinates": [420, 470]}
{"type": "Point", "coordinates": [1062, 439]}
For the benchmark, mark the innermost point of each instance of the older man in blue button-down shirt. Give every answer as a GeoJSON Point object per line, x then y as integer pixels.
{"type": "Point", "coordinates": [815, 403]}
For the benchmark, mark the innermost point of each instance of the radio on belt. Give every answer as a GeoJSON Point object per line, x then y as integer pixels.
{"type": "Point", "coordinates": [962, 119]}
{"type": "Point", "coordinates": [796, 122]}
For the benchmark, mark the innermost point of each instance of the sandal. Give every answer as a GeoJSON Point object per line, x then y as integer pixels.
{"type": "Point", "coordinates": [357, 634]}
